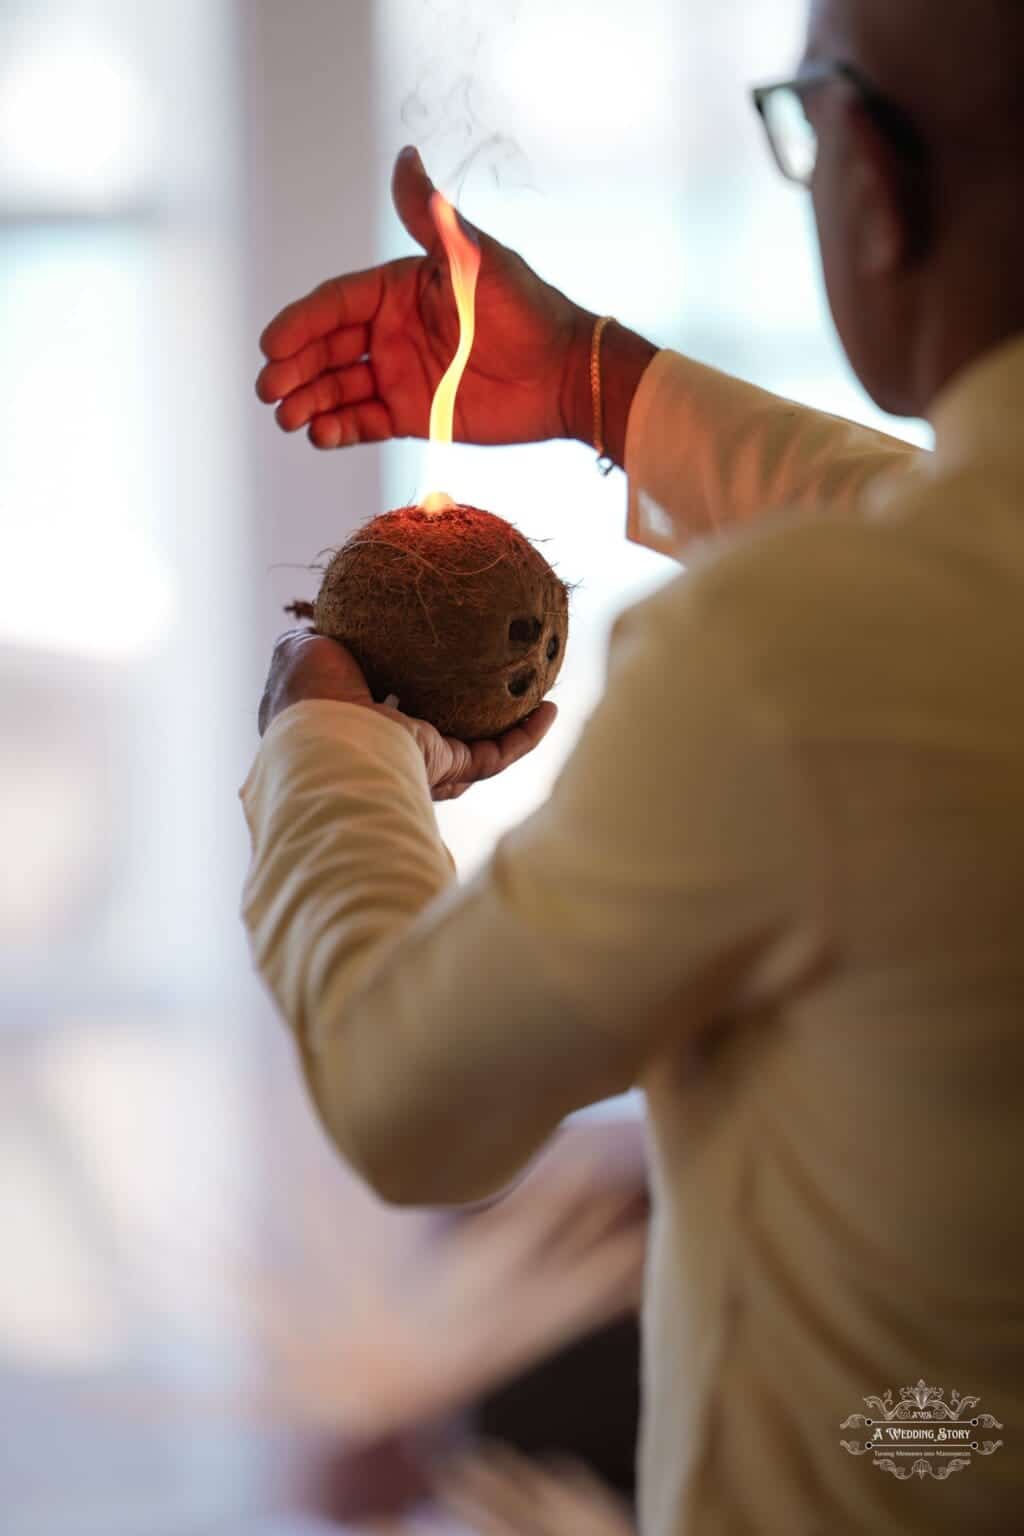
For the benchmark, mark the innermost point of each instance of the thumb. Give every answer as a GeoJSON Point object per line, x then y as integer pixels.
{"type": "Point", "coordinates": [411, 191]}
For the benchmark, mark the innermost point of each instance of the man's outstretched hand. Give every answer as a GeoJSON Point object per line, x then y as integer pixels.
{"type": "Point", "coordinates": [359, 359]}
{"type": "Point", "coordinates": [309, 666]}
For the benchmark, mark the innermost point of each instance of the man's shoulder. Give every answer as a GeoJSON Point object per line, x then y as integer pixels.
{"type": "Point", "coordinates": [803, 601]}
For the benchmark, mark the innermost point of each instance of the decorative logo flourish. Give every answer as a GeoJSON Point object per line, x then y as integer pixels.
{"type": "Point", "coordinates": [920, 1433]}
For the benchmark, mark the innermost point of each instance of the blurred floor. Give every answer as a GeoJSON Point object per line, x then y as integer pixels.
{"type": "Point", "coordinates": [207, 1325]}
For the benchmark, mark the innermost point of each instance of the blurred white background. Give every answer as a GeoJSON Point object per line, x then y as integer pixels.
{"type": "Point", "coordinates": [170, 175]}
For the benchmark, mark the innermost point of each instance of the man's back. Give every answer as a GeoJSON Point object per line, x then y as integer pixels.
{"type": "Point", "coordinates": [831, 1159]}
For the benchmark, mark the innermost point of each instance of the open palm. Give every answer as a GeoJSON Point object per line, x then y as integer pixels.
{"type": "Point", "coordinates": [359, 358]}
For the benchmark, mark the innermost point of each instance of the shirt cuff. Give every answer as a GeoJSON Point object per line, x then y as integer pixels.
{"type": "Point", "coordinates": [648, 522]}
{"type": "Point", "coordinates": [335, 726]}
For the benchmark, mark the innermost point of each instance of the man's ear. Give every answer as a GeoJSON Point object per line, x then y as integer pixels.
{"type": "Point", "coordinates": [882, 220]}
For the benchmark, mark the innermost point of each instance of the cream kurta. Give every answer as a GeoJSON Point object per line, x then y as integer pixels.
{"type": "Point", "coordinates": [780, 885]}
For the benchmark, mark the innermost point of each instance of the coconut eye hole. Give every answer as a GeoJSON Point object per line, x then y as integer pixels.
{"type": "Point", "coordinates": [524, 631]}
{"type": "Point", "coordinates": [554, 646]}
{"type": "Point", "coordinates": [520, 684]}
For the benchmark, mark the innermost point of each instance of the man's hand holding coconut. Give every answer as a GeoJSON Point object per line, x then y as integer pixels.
{"type": "Point", "coordinates": [309, 666]}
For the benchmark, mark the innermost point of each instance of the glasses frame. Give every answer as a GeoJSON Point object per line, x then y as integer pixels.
{"type": "Point", "coordinates": [890, 119]}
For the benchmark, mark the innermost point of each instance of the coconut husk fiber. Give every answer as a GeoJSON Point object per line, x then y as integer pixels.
{"type": "Point", "coordinates": [454, 612]}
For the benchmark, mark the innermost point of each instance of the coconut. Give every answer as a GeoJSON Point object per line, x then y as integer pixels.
{"type": "Point", "coordinates": [454, 612]}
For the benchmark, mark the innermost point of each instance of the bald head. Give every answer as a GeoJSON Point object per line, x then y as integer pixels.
{"type": "Point", "coordinates": [917, 187]}
{"type": "Point", "coordinates": [954, 66]}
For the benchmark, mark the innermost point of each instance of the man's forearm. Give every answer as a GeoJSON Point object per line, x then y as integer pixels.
{"type": "Point", "coordinates": [708, 452]}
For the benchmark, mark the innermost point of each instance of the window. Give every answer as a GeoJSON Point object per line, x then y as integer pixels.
{"type": "Point", "coordinates": [120, 505]}
{"type": "Point", "coordinates": [122, 576]}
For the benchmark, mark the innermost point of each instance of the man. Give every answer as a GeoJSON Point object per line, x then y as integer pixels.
{"type": "Point", "coordinates": [779, 885]}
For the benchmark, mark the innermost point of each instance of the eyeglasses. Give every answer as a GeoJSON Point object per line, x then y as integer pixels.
{"type": "Point", "coordinates": [792, 136]}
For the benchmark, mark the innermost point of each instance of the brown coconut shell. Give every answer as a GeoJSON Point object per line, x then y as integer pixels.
{"type": "Point", "coordinates": [455, 612]}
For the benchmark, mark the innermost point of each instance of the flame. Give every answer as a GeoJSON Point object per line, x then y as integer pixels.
{"type": "Point", "coordinates": [464, 264]}
{"type": "Point", "coordinates": [437, 501]}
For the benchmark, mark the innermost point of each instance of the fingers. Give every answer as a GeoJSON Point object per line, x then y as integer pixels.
{"type": "Point", "coordinates": [501, 1493]}
{"type": "Point", "coordinates": [411, 191]}
{"type": "Point", "coordinates": [366, 423]}
{"type": "Point", "coordinates": [493, 757]}
{"type": "Point", "coordinates": [581, 1502]}
{"type": "Point", "coordinates": [489, 1491]}
{"type": "Point", "coordinates": [340, 303]}
{"type": "Point", "coordinates": [289, 644]}
{"type": "Point", "coordinates": [355, 299]}
{"type": "Point", "coordinates": [451, 792]}
{"type": "Point", "coordinates": [280, 379]}
{"type": "Point", "coordinates": [329, 392]}
{"type": "Point", "coordinates": [338, 404]}
{"type": "Point", "coordinates": [467, 763]}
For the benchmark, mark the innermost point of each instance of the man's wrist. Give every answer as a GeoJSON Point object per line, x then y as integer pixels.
{"type": "Point", "coordinates": [625, 357]}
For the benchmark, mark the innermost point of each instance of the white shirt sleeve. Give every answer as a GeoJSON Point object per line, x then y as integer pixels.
{"type": "Point", "coordinates": [706, 452]}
